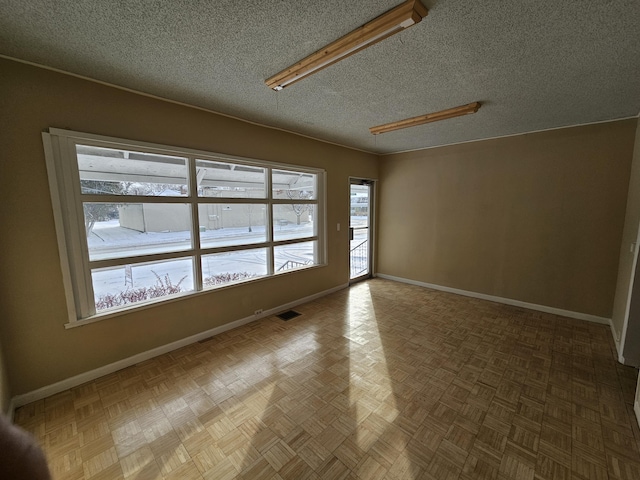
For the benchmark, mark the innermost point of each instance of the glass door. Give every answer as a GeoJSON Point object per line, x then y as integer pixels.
{"type": "Point", "coordinates": [360, 229]}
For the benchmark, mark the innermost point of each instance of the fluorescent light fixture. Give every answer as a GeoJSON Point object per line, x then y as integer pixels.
{"type": "Point", "coordinates": [398, 18]}
{"type": "Point", "coordinates": [428, 118]}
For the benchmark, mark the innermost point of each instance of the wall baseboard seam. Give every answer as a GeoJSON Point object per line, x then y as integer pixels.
{"type": "Point", "coordinates": [614, 335]}
{"type": "Point", "coordinates": [505, 301]}
{"type": "Point", "coordinates": [40, 393]}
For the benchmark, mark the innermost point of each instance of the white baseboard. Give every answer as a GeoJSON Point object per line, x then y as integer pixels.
{"type": "Point", "coordinates": [506, 301]}
{"type": "Point", "coordinates": [615, 335]}
{"type": "Point", "coordinates": [61, 386]}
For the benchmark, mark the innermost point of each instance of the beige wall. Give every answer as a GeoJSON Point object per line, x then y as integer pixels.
{"type": "Point", "coordinates": [536, 218]}
{"type": "Point", "coordinates": [39, 351]}
{"type": "Point", "coordinates": [630, 346]}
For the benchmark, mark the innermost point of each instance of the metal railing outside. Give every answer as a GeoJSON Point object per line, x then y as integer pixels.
{"type": "Point", "coordinates": [289, 264]}
{"type": "Point", "coordinates": [359, 259]}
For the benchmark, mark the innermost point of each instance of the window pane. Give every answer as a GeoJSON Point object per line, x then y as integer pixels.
{"type": "Point", "coordinates": [231, 267]}
{"type": "Point", "coordinates": [108, 171]}
{"type": "Point", "coordinates": [359, 206]}
{"type": "Point", "coordinates": [128, 229]}
{"type": "Point", "coordinates": [228, 180]}
{"type": "Point", "coordinates": [232, 224]}
{"type": "Point", "coordinates": [293, 221]}
{"type": "Point", "coordinates": [293, 185]}
{"type": "Point", "coordinates": [120, 286]}
{"type": "Point", "coordinates": [296, 255]}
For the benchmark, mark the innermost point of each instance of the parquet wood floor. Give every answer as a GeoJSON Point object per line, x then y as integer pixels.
{"type": "Point", "coordinates": [382, 380]}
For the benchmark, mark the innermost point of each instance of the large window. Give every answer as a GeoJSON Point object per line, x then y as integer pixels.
{"type": "Point", "coordinates": [140, 223]}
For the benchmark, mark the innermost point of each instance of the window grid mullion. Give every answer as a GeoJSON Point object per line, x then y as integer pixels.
{"type": "Point", "coordinates": [108, 198]}
{"type": "Point", "coordinates": [286, 201]}
{"type": "Point", "coordinates": [231, 200]}
{"type": "Point", "coordinates": [75, 211]}
{"type": "Point", "coordinates": [195, 225]}
{"type": "Point", "coordinates": [269, 216]}
{"type": "Point", "coordinates": [156, 257]}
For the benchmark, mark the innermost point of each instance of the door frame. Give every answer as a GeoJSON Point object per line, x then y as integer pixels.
{"type": "Point", "coordinates": [373, 185]}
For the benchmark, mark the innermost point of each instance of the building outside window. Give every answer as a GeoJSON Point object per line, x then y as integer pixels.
{"type": "Point", "coordinates": [140, 223]}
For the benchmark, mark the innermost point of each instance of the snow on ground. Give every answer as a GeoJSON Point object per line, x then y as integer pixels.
{"type": "Point", "coordinates": [109, 240]}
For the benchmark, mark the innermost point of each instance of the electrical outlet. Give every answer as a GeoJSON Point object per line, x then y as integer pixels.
{"type": "Point", "coordinates": [258, 312]}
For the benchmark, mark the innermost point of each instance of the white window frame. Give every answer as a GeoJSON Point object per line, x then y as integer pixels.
{"type": "Point", "coordinates": [67, 201]}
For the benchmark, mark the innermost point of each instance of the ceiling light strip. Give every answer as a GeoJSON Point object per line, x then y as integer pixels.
{"type": "Point", "coordinates": [401, 17]}
{"type": "Point", "coordinates": [428, 118]}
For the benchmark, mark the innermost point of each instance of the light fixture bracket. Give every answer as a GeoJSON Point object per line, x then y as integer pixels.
{"type": "Point", "coordinates": [427, 118]}
{"type": "Point", "coordinates": [403, 16]}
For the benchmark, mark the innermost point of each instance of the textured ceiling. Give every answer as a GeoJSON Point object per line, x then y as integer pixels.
{"type": "Point", "coordinates": [533, 64]}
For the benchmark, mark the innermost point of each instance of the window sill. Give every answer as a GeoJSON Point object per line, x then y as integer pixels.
{"type": "Point", "coordinates": [178, 297]}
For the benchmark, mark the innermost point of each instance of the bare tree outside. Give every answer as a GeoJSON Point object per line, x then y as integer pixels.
{"type": "Point", "coordinates": [100, 212]}
{"type": "Point", "coordinates": [299, 208]}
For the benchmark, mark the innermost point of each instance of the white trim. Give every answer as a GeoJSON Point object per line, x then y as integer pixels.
{"type": "Point", "coordinates": [373, 198]}
{"type": "Point", "coordinates": [506, 301]}
{"type": "Point", "coordinates": [379, 154]}
{"type": "Point", "coordinates": [511, 135]}
{"type": "Point", "coordinates": [67, 201]}
{"type": "Point", "coordinates": [58, 216]}
{"type": "Point", "coordinates": [627, 310]}
{"type": "Point", "coordinates": [40, 393]}
{"type": "Point", "coordinates": [166, 149]}
{"type": "Point", "coordinates": [177, 297]}
{"type": "Point", "coordinates": [614, 334]}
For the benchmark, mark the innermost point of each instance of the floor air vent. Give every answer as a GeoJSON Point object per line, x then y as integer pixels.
{"type": "Point", "coordinates": [288, 315]}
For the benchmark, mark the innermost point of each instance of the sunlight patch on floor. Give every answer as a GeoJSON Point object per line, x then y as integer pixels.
{"type": "Point", "coordinates": [371, 384]}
